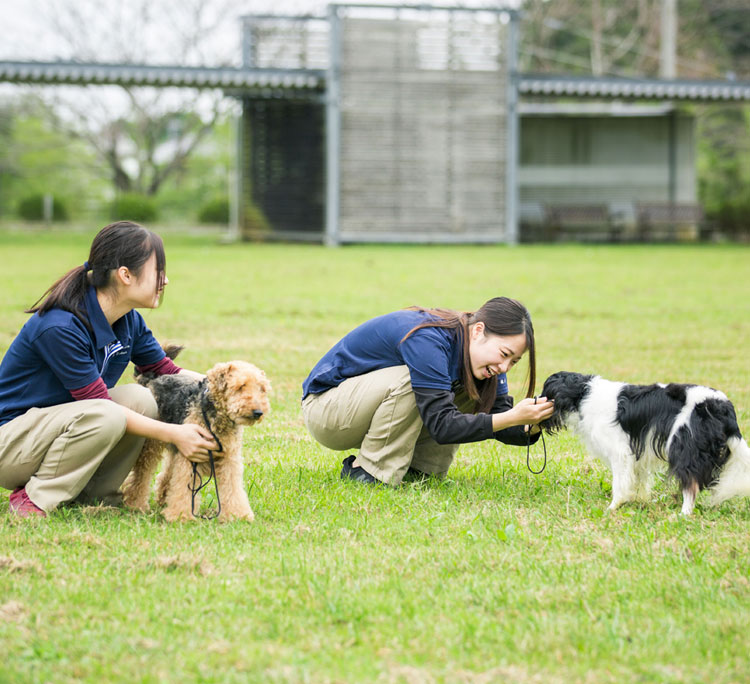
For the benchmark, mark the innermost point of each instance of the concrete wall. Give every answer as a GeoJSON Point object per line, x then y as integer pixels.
{"type": "Point", "coordinates": [423, 129]}
{"type": "Point", "coordinates": [607, 159]}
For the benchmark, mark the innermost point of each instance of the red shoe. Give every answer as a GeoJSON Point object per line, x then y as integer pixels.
{"type": "Point", "coordinates": [22, 506]}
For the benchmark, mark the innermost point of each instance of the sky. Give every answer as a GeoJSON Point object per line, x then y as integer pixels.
{"type": "Point", "coordinates": [104, 29]}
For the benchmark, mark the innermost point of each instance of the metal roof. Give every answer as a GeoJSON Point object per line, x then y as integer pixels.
{"type": "Point", "coordinates": [632, 88]}
{"type": "Point", "coordinates": [295, 82]}
{"type": "Point", "coordinates": [243, 79]}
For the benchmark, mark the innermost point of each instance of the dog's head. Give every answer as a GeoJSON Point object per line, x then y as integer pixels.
{"type": "Point", "coordinates": [567, 390]}
{"type": "Point", "coordinates": [240, 391]}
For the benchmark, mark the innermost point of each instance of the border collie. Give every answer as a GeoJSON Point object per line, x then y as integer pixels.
{"type": "Point", "coordinates": [636, 428]}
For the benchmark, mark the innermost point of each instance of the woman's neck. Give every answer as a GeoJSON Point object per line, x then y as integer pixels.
{"type": "Point", "coordinates": [112, 309]}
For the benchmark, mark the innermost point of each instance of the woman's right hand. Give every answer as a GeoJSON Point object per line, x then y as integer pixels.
{"type": "Point", "coordinates": [193, 442]}
{"type": "Point", "coordinates": [533, 410]}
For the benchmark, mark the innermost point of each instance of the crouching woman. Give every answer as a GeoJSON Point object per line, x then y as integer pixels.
{"type": "Point", "coordinates": [66, 432]}
{"type": "Point", "coordinates": [406, 388]}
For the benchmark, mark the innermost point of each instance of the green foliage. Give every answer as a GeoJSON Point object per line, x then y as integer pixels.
{"type": "Point", "coordinates": [36, 158]}
{"type": "Point", "coordinates": [31, 208]}
{"type": "Point", "coordinates": [134, 207]}
{"type": "Point", "coordinates": [204, 177]}
{"type": "Point", "coordinates": [255, 221]}
{"type": "Point", "coordinates": [723, 166]}
{"type": "Point", "coordinates": [215, 211]}
{"type": "Point", "coordinates": [493, 575]}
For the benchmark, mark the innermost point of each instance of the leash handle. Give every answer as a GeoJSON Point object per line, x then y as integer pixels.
{"type": "Point", "coordinates": [528, 450]}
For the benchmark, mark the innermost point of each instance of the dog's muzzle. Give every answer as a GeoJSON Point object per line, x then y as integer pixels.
{"type": "Point", "coordinates": [257, 414]}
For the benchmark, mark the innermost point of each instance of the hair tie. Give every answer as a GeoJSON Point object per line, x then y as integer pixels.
{"type": "Point", "coordinates": [86, 266]}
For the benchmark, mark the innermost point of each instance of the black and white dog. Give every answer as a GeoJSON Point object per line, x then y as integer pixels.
{"type": "Point", "coordinates": [634, 429]}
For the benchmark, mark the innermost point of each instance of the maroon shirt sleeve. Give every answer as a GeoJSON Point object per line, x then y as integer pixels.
{"type": "Point", "coordinates": [94, 390]}
{"type": "Point", "coordinates": [164, 367]}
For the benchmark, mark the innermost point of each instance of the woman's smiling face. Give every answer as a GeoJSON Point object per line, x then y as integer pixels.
{"type": "Point", "coordinates": [492, 354]}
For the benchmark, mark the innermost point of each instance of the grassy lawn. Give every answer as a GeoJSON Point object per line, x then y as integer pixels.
{"type": "Point", "coordinates": [494, 575]}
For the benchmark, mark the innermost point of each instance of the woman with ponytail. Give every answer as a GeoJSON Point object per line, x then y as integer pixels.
{"type": "Point", "coordinates": [66, 432]}
{"type": "Point", "coordinates": [407, 388]}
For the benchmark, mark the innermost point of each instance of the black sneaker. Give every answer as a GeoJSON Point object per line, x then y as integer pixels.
{"type": "Point", "coordinates": [414, 475]}
{"type": "Point", "coordinates": [356, 473]}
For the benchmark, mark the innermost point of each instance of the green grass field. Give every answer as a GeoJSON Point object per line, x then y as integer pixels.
{"type": "Point", "coordinates": [494, 575]}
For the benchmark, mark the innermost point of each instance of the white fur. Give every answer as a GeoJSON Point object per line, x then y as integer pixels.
{"type": "Point", "coordinates": [735, 476]}
{"type": "Point", "coordinates": [595, 423]}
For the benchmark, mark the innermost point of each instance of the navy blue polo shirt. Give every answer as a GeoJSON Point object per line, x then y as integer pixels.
{"type": "Point", "coordinates": [55, 353]}
{"type": "Point", "coordinates": [433, 355]}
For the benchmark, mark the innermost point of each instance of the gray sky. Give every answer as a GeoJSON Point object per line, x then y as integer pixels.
{"type": "Point", "coordinates": [31, 28]}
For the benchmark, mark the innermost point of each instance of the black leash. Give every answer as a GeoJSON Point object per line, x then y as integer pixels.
{"type": "Point", "coordinates": [197, 482]}
{"type": "Point", "coordinates": [528, 450]}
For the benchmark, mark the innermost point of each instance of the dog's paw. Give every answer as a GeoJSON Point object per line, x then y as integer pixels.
{"type": "Point", "coordinates": [172, 515]}
{"type": "Point", "coordinates": [230, 515]}
{"type": "Point", "coordinates": [137, 507]}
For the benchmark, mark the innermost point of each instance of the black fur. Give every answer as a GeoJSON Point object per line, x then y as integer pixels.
{"type": "Point", "coordinates": [647, 413]}
{"type": "Point", "coordinates": [699, 449]}
{"type": "Point", "coordinates": [175, 395]}
{"type": "Point", "coordinates": [567, 390]}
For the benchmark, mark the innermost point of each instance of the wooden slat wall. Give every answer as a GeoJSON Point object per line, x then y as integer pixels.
{"type": "Point", "coordinates": [423, 146]}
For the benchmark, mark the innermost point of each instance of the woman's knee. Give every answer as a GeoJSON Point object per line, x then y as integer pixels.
{"type": "Point", "coordinates": [107, 417]}
{"type": "Point", "coordinates": [137, 398]}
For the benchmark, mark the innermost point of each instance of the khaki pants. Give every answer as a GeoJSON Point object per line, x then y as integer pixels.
{"type": "Point", "coordinates": [75, 451]}
{"type": "Point", "coordinates": [377, 414]}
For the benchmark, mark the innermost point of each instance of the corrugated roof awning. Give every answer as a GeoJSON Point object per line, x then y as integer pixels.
{"type": "Point", "coordinates": [632, 89]}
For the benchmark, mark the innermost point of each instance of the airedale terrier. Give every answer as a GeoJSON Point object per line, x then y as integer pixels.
{"type": "Point", "coordinates": [232, 395]}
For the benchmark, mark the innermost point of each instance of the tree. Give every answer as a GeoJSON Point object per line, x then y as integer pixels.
{"type": "Point", "coordinates": [36, 159]}
{"type": "Point", "coordinates": [144, 136]}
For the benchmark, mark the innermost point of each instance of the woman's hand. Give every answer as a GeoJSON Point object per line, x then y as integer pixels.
{"type": "Point", "coordinates": [525, 412]}
{"type": "Point", "coordinates": [193, 442]}
{"type": "Point", "coordinates": [532, 411]}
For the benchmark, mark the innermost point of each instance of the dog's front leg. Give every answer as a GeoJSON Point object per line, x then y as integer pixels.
{"type": "Point", "coordinates": [177, 494]}
{"type": "Point", "coordinates": [234, 502]}
{"type": "Point", "coordinates": [623, 479]}
{"type": "Point", "coordinates": [689, 494]}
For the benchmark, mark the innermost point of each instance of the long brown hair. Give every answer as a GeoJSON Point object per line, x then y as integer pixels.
{"type": "Point", "coordinates": [501, 316]}
{"type": "Point", "coordinates": [123, 243]}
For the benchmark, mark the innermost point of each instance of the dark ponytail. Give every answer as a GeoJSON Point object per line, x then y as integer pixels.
{"type": "Point", "coordinates": [123, 243]}
{"type": "Point", "coordinates": [501, 316]}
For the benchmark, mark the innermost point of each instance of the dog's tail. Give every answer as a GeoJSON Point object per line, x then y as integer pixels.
{"type": "Point", "coordinates": [171, 350]}
{"type": "Point", "coordinates": [735, 475]}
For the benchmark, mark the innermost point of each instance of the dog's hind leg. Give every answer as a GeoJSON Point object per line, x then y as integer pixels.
{"type": "Point", "coordinates": [137, 485]}
{"type": "Point", "coordinates": [234, 502]}
{"type": "Point", "coordinates": [164, 478]}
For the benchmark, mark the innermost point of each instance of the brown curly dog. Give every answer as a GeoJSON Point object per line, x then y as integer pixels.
{"type": "Point", "coordinates": [232, 395]}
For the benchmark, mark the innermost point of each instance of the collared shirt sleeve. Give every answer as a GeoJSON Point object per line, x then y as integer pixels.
{"type": "Point", "coordinates": [146, 350]}
{"type": "Point", "coordinates": [96, 390]}
{"type": "Point", "coordinates": [68, 353]}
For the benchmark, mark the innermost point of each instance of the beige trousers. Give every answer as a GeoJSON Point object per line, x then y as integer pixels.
{"type": "Point", "coordinates": [377, 414]}
{"type": "Point", "coordinates": [75, 451]}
